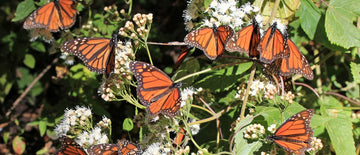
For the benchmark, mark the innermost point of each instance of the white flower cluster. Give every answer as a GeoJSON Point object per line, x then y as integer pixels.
{"type": "Point", "coordinates": [123, 55]}
{"type": "Point", "coordinates": [355, 115]}
{"type": "Point", "coordinates": [316, 145]}
{"type": "Point", "coordinates": [78, 117]}
{"type": "Point", "coordinates": [142, 22]}
{"type": "Point", "coordinates": [254, 131]}
{"type": "Point", "coordinates": [105, 90]}
{"type": "Point", "coordinates": [257, 87]}
{"type": "Point", "coordinates": [272, 128]}
{"type": "Point", "coordinates": [187, 94]}
{"type": "Point", "coordinates": [156, 149]}
{"type": "Point", "coordinates": [93, 137]}
{"type": "Point", "coordinates": [69, 59]}
{"type": "Point", "coordinates": [78, 123]}
{"type": "Point", "coordinates": [221, 12]}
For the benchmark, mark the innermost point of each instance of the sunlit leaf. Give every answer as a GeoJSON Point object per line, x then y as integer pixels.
{"type": "Point", "coordinates": [23, 10]}
{"type": "Point", "coordinates": [355, 70]}
{"type": "Point", "coordinates": [339, 23]}
{"type": "Point", "coordinates": [128, 125]}
{"type": "Point", "coordinates": [18, 145]}
{"type": "Point", "coordinates": [29, 61]}
{"type": "Point", "coordinates": [310, 16]}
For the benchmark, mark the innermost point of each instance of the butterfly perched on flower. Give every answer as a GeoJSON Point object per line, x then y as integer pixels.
{"type": "Point", "coordinates": [123, 147]}
{"type": "Point", "coordinates": [155, 89]}
{"type": "Point", "coordinates": [246, 40]}
{"type": "Point", "coordinates": [69, 147]}
{"type": "Point", "coordinates": [295, 133]}
{"type": "Point", "coordinates": [211, 40]}
{"type": "Point", "coordinates": [98, 54]}
{"type": "Point", "coordinates": [53, 16]}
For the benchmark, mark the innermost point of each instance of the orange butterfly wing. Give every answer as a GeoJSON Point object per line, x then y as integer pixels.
{"type": "Point", "coordinates": [297, 62]}
{"type": "Point", "coordinates": [209, 40]}
{"type": "Point", "coordinates": [271, 46]}
{"type": "Point", "coordinates": [184, 52]}
{"type": "Point", "coordinates": [246, 40]}
{"type": "Point", "coordinates": [103, 149]}
{"type": "Point", "coordinates": [52, 16]}
{"type": "Point", "coordinates": [295, 133]}
{"type": "Point", "coordinates": [98, 54]}
{"type": "Point", "coordinates": [180, 137]}
{"type": "Point", "coordinates": [69, 147]}
{"type": "Point", "coordinates": [155, 89]}
{"type": "Point", "coordinates": [128, 148]}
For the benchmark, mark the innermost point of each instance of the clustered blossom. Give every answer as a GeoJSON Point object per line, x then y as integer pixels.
{"type": "Point", "coordinates": [123, 56]}
{"type": "Point", "coordinates": [316, 145]}
{"type": "Point", "coordinates": [155, 148]}
{"type": "Point", "coordinates": [254, 131]}
{"type": "Point", "coordinates": [187, 94]}
{"type": "Point", "coordinates": [95, 136]}
{"type": "Point", "coordinates": [289, 96]}
{"type": "Point", "coordinates": [72, 118]}
{"type": "Point", "coordinates": [256, 87]}
{"type": "Point", "coordinates": [272, 128]}
{"type": "Point", "coordinates": [78, 123]}
{"type": "Point", "coordinates": [138, 30]}
{"type": "Point", "coordinates": [69, 59]}
{"type": "Point", "coordinates": [355, 115]}
{"type": "Point", "coordinates": [182, 151]}
{"type": "Point", "coordinates": [201, 152]}
{"type": "Point", "coordinates": [221, 12]}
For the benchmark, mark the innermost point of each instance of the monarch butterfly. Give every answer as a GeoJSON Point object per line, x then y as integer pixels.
{"type": "Point", "coordinates": [184, 52]}
{"type": "Point", "coordinates": [128, 148]}
{"type": "Point", "coordinates": [123, 147]}
{"type": "Point", "coordinates": [155, 89]}
{"type": "Point", "coordinates": [272, 44]}
{"type": "Point", "coordinates": [279, 69]}
{"type": "Point", "coordinates": [210, 40]}
{"type": "Point", "coordinates": [98, 54]}
{"type": "Point", "coordinates": [103, 149]}
{"type": "Point", "coordinates": [297, 62]}
{"type": "Point", "coordinates": [246, 40]}
{"type": "Point", "coordinates": [53, 16]}
{"type": "Point", "coordinates": [179, 137]}
{"type": "Point", "coordinates": [69, 147]}
{"type": "Point", "coordinates": [295, 133]}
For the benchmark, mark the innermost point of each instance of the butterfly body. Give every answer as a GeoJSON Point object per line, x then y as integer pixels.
{"type": "Point", "coordinates": [98, 54]}
{"type": "Point", "coordinates": [295, 133]}
{"type": "Point", "coordinates": [211, 40]}
{"type": "Point", "coordinates": [246, 40]}
{"type": "Point", "coordinates": [53, 16]}
{"type": "Point", "coordinates": [155, 89]}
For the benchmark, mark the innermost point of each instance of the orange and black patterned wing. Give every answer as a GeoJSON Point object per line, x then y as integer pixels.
{"type": "Point", "coordinates": [69, 147]}
{"type": "Point", "coordinates": [297, 62]}
{"type": "Point", "coordinates": [128, 148]}
{"type": "Point", "coordinates": [295, 133]}
{"type": "Point", "coordinates": [209, 40]}
{"type": "Point", "coordinates": [60, 14]}
{"type": "Point", "coordinates": [184, 52]}
{"type": "Point", "coordinates": [98, 54]}
{"type": "Point", "coordinates": [103, 149]}
{"type": "Point", "coordinates": [155, 89]}
{"type": "Point", "coordinates": [246, 40]}
{"type": "Point", "coordinates": [272, 44]}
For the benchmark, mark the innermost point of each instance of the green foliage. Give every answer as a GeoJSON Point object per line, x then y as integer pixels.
{"type": "Point", "coordinates": [339, 23]}
{"type": "Point", "coordinates": [326, 32]}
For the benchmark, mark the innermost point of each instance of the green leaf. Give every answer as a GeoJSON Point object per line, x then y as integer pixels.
{"type": "Point", "coordinates": [355, 70]}
{"type": "Point", "coordinates": [5, 87]}
{"type": "Point", "coordinates": [128, 125]}
{"type": "Point", "coordinates": [6, 137]}
{"type": "Point", "coordinates": [242, 146]}
{"type": "Point", "coordinates": [339, 23]}
{"type": "Point", "coordinates": [18, 145]}
{"type": "Point", "coordinates": [310, 16]}
{"type": "Point", "coordinates": [23, 10]}
{"type": "Point", "coordinates": [341, 136]}
{"type": "Point", "coordinates": [207, 3]}
{"type": "Point", "coordinates": [38, 46]}
{"type": "Point", "coordinates": [42, 127]}
{"type": "Point", "coordinates": [222, 79]}
{"type": "Point", "coordinates": [29, 61]}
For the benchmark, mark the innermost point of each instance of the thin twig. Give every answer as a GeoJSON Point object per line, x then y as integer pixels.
{"type": "Point", "coordinates": [305, 85]}
{"type": "Point", "coordinates": [342, 96]}
{"type": "Point", "coordinates": [243, 107]}
{"type": "Point", "coordinates": [17, 101]}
